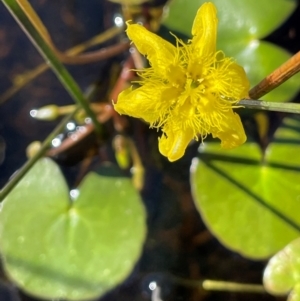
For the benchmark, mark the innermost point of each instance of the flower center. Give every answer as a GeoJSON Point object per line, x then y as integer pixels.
{"type": "Point", "coordinates": [176, 76]}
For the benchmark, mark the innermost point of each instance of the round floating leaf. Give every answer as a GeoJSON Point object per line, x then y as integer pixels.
{"type": "Point", "coordinates": [259, 59]}
{"type": "Point", "coordinates": [253, 207]}
{"type": "Point", "coordinates": [55, 248]}
{"type": "Point", "coordinates": [282, 273]}
{"type": "Point", "coordinates": [238, 20]}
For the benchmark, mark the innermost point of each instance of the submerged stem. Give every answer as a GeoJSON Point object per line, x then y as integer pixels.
{"type": "Point", "coordinates": [23, 79]}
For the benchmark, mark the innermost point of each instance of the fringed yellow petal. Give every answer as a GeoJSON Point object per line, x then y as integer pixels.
{"type": "Point", "coordinates": [240, 84]}
{"type": "Point", "coordinates": [203, 45]}
{"type": "Point", "coordinates": [173, 144]}
{"type": "Point", "coordinates": [137, 103]}
{"type": "Point", "coordinates": [145, 102]}
{"type": "Point", "coordinates": [204, 30]}
{"type": "Point", "coordinates": [233, 133]}
{"type": "Point", "coordinates": [229, 80]}
{"type": "Point", "coordinates": [159, 52]}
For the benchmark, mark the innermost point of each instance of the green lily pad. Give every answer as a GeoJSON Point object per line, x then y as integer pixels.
{"type": "Point", "coordinates": [76, 250]}
{"type": "Point", "coordinates": [282, 274]}
{"type": "Point", "coordinates": [245, 20]}
{"type": "Point", "coordinates": [254, 206]}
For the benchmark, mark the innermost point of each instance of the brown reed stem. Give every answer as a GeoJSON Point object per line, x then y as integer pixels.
{"type": "Point", "coordinates": [277, 77]}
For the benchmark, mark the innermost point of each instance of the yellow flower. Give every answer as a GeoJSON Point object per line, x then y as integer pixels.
{"type": "Point", "coordinates": [189, 90]}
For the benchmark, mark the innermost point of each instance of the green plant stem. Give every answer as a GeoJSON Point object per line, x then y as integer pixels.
{"type": "Point", "coordinates": [213, 285]}
{"type": "Point", "coordinates": [226, 286]}
{"type": "Point", "coordinates": [27, 166]}
{"type": "Point", "coordinates": [286, 107]}
{"type": "Point", "coordinates": [58, 68]}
